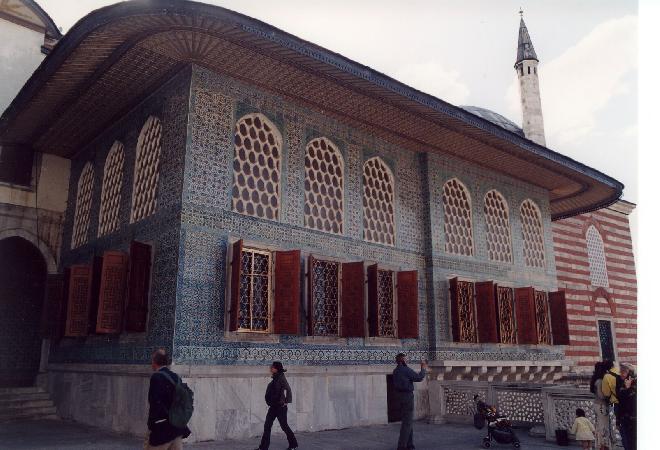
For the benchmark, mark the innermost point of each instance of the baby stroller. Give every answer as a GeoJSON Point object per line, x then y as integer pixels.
{"type": "Point", "coordinates": [499, 427]}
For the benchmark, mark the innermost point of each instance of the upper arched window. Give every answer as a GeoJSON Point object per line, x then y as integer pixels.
{"type": "Point", "coordinates": [498, 230]}
{"type": "Point", "coordinates": [145, 179]}
{"type": "Point", "coordinates": [378, 202]}
{"type": "Point", "coordinates": [83, 206]}
{"type": "Point", "coordinates": [532, 233]}
{"type": "Point", "coordinates": [457, 207]}
{"type": "Point", "coordinates": [111, 190]}
{"type": "Point", "coordinates": [596, 253]}
{"type": "Point", "coordinates": [257, 156]}
{"type": "Point", "coordinates": [324, 187]}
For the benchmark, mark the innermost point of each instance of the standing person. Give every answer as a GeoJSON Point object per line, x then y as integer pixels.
{"type": "Point", "coordinates": [162, 434]}
{"type": "Point", "coordinates": [608, 386]}
{"type": "Point", "coordinates": [583, 429]}
{"type": "Point", "coordinates": [601, 408]}
{"type": "Point", "coordinates": [278, 394]}
{"type": "Point", "coordinates": [626, 414]}
{"type": "Point", "coordinates": [403, 378]}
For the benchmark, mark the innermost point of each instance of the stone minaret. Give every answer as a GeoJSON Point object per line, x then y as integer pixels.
{"type": "Point", "coordinates": [530, 96]}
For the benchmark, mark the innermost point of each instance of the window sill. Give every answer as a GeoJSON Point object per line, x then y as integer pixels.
{"type": "Point", "coordinates": [382, 342]}
{"type": "Point", "coordinates": [325, 340]}
{"type": "Point", "coordinates": [247, 336]}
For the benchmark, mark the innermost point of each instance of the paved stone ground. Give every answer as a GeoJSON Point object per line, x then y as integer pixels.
{"type": "Point", "coordinates": [63, 435]}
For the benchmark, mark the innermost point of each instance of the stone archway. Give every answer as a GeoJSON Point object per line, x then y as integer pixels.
{"type": "Point", "coordinates": [22, 285]}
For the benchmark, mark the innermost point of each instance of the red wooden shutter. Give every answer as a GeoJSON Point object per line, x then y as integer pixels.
{"type": "Point", "coordinates": [235, 288]}
{"type": "Point", "coordinates": [80, 290]}
{"type": "Point", "coordinates": [559, 318]}
{"type": "Point", "coordinates": [407, 304]}
{"type": "Point", "coordinates": [464, 328]}
{"type": "Point", "coordinates": [372, 299]}
{"type": "Point", "coordinates": [310, 295]}
{"type": "Point", "coordinates": [111, 292]}
{"type": "Point", "coordinates": [138, 287]}
{"type": "Point", "coordinates": [486, 312]}
{"type": "Point", "coordinates": [455, 322]}
{"type": "Point", "coordinates": [352, 299]}
{"type": "Point", "coordinates": [97, 266]}
{"type": "Point", "coordinates": [526, 316]}
{"type": "Point", "coordinates": [286, 318]}
{"type": "Point", "coordinates": [50, 316]}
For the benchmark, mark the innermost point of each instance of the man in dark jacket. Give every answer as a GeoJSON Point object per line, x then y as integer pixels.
{"type": "Point", "coordinates": [278, 394]}
{"type": "Point", "coordinates": [626, 409]}
{"type": "Point", "coordinates": [403, 378]}
{"type": "Point", "coordinates": [162, 435]}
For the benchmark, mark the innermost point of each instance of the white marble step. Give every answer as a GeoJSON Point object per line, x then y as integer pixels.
{"type": "Point", "coordinates": [27, 413]}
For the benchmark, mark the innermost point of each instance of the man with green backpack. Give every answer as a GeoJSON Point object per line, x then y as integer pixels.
{"type": "Point", "coordinates": [170, 406]}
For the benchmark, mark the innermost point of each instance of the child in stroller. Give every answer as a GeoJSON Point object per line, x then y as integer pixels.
{"type": "Point", "coordinates": [499, 427]}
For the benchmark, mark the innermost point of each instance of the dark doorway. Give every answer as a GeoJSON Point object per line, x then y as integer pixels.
{"type": "Point", "coordinates": [606, 339]}
{"type": "Point", "coordinates": [22, 285]}
{"type": "Point", "coordinates": [393, 406]}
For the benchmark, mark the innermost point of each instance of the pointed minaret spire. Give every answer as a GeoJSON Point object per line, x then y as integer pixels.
{"type": "Point", "coordinates": [530, 96]}
{"type": "Point", "coordinates": [525, 46]}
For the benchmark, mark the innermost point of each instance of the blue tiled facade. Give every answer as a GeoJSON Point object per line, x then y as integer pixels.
{"type": "Point", "coordinates": [194, 227]}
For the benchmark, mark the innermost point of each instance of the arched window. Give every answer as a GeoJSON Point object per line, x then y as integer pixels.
{"type": "Point", "coordinates": [378, 202]}
{"type": "Point", "coordinates": [596, 253]}
{"type": "Point", "coordinates": [111, 190]}
{"type": "Point", "coordinates": [457, 207]}
{"type": "Point", "coordinates": [145, 179]}
{"type": "Point", "coordinates": [83, 206]}
{"type": "Point", "coordinates": [257, 156]}
{"type": "Point", "coordinates": [498, 231]}
{"type": "Point", "coordinates": [532, 233]}
{"type": "Point", "coordinates": [324, 187]}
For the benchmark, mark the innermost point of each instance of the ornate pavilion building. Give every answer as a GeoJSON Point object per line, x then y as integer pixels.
{"type": "Point", "coordinates": [238, 195]}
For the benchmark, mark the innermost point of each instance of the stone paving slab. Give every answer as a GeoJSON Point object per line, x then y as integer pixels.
{"type": "Point", "coordinates": [64, 435]}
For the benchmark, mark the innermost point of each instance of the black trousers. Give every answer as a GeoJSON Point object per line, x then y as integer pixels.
{"type": "Point", "coordinates": [279, 413]}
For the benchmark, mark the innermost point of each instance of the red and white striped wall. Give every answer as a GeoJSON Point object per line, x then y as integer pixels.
{"type": "Point", "coordinates": [586, 304]}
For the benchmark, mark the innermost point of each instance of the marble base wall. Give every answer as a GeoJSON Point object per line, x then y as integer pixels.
{"type": "Point", "coordinates": [229, 401]}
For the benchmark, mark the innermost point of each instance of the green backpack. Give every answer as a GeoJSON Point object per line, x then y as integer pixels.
{"type": "Point", "coordinates": [181, 409]}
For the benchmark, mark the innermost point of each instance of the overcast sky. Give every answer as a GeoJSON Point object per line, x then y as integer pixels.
{"type": "Point", "coordinates": [463, 52]}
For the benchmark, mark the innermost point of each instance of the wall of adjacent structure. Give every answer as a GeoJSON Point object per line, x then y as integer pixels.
{"type": "Point", "coordinates": [587, 303]}
{"type": "Point", "coordinates": [20, 53]}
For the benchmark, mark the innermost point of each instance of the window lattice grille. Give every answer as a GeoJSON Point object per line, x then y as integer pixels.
{"type": "Point", "coordinates": [378, 202]}
{"type": "Point", "coordinates": [324, 187]}
{"type": "Point", "coordinates": [83, 206]}
{"type": "Point", "coordinates": [111, 190]}
{"type": "Point", "coordinates": [542, 317]}
{"type": "Point", "coordinates": [145, 182]}
{"type": "Point", "coordinates": [498, 231]}
{"type": "Point", "coordinates": [257, 154]}
{"type": "Point", "coordinates": [386, 324]}
{"type": "Point", "coordinates": [458, 218]}
{"type": "Point", "coordinates": [596, 253]}
{"type": "Point", "coordinates": [255, 290]}
{"type": "Point", "coordinates": [325, 298]}
{"type": "Point", "coordinates": [532, 231]}
{"type": "Point", "coordinates": [505, 315]}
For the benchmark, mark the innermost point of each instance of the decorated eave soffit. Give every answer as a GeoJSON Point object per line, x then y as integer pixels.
{"type": "Point", "coordinates": [115, 56]}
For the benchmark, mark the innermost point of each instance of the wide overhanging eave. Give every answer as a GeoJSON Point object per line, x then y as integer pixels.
{"type": "Point", "coordinates": [312, 58]}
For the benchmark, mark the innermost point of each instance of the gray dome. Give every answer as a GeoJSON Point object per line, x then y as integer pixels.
{"type": "Point", "coordinates": [495, 118]}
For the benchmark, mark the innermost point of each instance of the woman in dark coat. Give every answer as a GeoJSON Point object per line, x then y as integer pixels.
{"type": "Point", "coordinates": [278, 395]}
